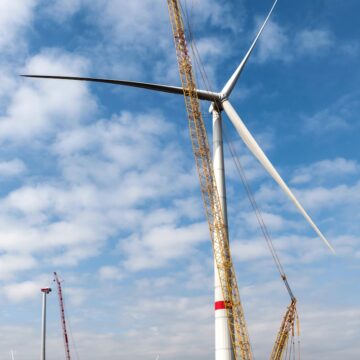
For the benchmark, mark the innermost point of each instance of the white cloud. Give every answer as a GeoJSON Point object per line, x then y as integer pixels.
{"type": "Point", "coordinates": [61, 10]}
{"type": "Point", "coordinates": [339, 116]}
{"type": "Point", "coordinates": [13, 263]}
{"type": "Point", "coordinates": [38, 107]}
{"type": "Point", "coordinates": [22, 339]}
{"type": "Point", "coordinates": [324, 170]}
{"type": "Point", "coordinates": [210, 47]}
{"type": "Point", "coordinates": [273, 221]}
{"type": "Point", "coordinates": [75, 297]}
{"type": "Point", "coordinates": [71, 218]}
{"type": "Point", "coordinates": [279, 43]}
{"type": "Point", "coordinates": [249, 250]}
{"type": "Point", "coordinates": [140, 22]}
{"type": "Point", "coordinates": [313, 41]}
{"type": "Point", "coordinates": [7, 85]}
{"type": "Point", "coordinates": [351, 49]}
{"type": "Point", "coordinates": [11, 168]}
{"type": "Point", "coordinates": [190, 333]}
{"type": "Point", "coordinates": [22, 291]}
{"type": "Point", "coordinates": [220, 13]}
{"type": "Point", "coordinates": [16, 19]}
{"type": "Point", "coordinates": [15, 16]}
{"type": "Point", "coordinates": [340, 322]}
{"type": "Point", "coordinates": [134, 23]}
{"type": "Point", "coordinates": [142, 33]}
{"type": "Point", "coordinates": [110, 273]}
{"type": "Point", "coordinates": [273, 44]}
{"type": "Point", "coordinates": [158, 246]}
{"type": "Point", "coordinates": [330, 197]}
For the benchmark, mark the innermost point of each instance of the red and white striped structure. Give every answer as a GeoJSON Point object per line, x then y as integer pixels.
{"type": "Point", "coordinates": [223, 344]}
{"type": "Point", "coordinates": [62, 315]}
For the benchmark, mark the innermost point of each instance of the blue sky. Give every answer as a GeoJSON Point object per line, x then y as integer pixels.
{"type": "Point", "coordinates": [98, 182]}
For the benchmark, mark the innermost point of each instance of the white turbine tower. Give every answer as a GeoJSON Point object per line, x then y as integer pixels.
{"type": "Point", "coordinates": [45, 292]}
{"type": "Point", "coordinates": [219, 102]}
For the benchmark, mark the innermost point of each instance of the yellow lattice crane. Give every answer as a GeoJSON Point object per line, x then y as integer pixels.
{"type": "Point", "coordinates": [237, 325]}
{"type": "Point", "coordinates": [218, 231]}
{"type": "Point", "coordinates": [286, 330]}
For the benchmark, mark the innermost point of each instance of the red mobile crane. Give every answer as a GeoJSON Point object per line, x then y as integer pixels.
{"type": "Point", "coordinates": [62, 314]}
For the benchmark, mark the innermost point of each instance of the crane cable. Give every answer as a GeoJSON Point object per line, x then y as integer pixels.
{"type": "Point", "coordinates": [211, 200]}
{"type": "Point", "coordinates": [259, 216]}
{"type": "Point", "coordinates": [239, 167]}
{"type": "Point", "coordinates": [72, 338]}
{"type": "Point", "coordinates": [207, 84]}
{"type": "Point", "coordinates": [198, 65]}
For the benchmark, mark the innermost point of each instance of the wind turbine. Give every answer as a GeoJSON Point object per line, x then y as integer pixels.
{"type": "Point", "coordinates": [220, 102]}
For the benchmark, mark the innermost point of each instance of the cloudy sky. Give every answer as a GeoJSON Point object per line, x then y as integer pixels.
{"type": "Point", "coordinates": [98, 182]}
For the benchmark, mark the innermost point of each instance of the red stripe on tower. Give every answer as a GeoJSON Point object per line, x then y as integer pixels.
{"type": "Point", "coordinates": [220, 305]}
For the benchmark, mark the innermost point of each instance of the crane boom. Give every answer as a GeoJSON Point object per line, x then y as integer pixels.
{"type": "Point", "coordinates": [62, 314]}
{"type": "Point", "coordinates": [218, 231]}
{"type": "Point", "coordinates": [287, 327]}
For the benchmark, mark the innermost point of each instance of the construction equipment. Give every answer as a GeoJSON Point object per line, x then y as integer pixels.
{"type": "Point", "coordinates": [286, 328]}
{"type": "Point", "coordinates": [218, 231]}
{"type": "Point", "coordinates": [62, 315]}
{"type": "Point", "coordinates": [209, 187]}
{"type": "Point", "coordinates": [290, 317]}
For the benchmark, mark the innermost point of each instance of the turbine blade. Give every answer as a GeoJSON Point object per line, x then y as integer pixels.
{"type": "Point", "coordinates": [265, 162]}
{"type": "Point", "coordinates": [228, 88]}
{"type": "Point", "coordinates": [202, 94]}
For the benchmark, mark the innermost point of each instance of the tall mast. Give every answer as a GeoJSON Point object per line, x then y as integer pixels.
{"type": "Point", "coordinates": [223, 346]}
{"type": "Point", "coordinates": [212, 204]}
{"type": "Point", "coordinates": [44, 291]}
{"type": "Point", "coordinates": [62, 314]}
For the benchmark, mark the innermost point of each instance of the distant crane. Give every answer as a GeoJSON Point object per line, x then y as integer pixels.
{"type": "Point", "coordinates": [62, 314]}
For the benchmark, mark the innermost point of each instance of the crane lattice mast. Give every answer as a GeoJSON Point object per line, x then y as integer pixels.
{"type": "Point", "coordinates": [218, 231]}
{"type": "Point", "coordinates": [62, 315]}
{"type": "Point", "coordinates": [286, 328]}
